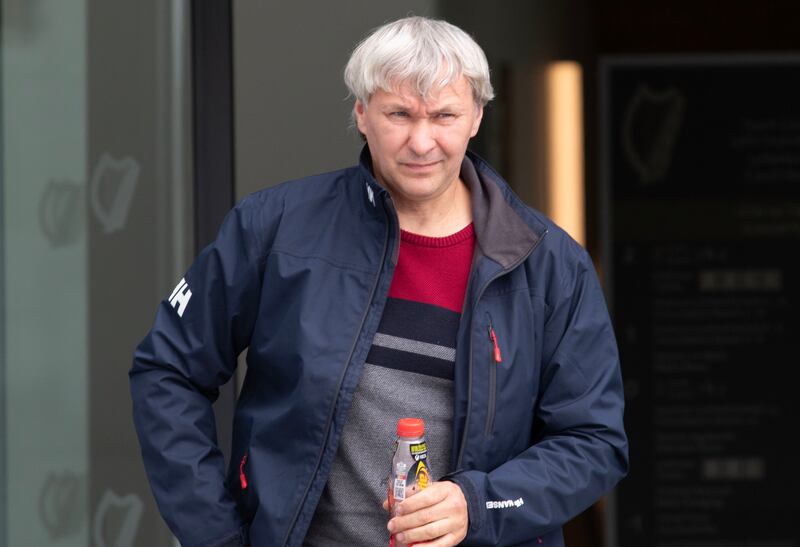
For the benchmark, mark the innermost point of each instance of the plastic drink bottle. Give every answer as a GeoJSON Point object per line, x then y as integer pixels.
{"type": "Point", "coordinates": [410, 471]}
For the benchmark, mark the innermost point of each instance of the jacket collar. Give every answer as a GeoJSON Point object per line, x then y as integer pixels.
{"type": "Point", "coordinates": [498, 213]}
{"type": "Point", "coordinates": [373, 189]}
{"type": "Point", "coordinates": [505, 229]}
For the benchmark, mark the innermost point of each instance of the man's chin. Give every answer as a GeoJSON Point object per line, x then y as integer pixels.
{"type": "Point", "coordinates": [417, 190]}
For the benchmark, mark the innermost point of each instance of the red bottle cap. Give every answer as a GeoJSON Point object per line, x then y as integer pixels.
{"type": "Point", "coordinates": [410, 427]}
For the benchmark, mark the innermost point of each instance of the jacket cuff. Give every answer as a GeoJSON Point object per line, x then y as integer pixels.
{"type": "Point", "coordinates": [474, 512]}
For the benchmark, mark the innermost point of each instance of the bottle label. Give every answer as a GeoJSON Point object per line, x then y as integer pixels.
{"type": "Point", "coordinates": [419, 451]}
{"type": "Point", "coordinates": [418, 478]}
{"type": "Point", "coordinates": [400, 488]}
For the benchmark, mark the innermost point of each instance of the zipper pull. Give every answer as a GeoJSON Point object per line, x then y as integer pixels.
{"type": "Point", "coordinates": [498, 358]}
{"type": "Point", "coordinates": [242, 478]}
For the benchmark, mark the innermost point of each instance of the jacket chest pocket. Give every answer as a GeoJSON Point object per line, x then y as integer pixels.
{"type": "Point", "coordinates": [495, 358]}
{"type": "Point", "coordinates": [506, 366]}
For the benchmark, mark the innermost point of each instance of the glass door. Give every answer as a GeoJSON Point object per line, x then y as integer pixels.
{"type": "Point", "coordinates": [96, 212]}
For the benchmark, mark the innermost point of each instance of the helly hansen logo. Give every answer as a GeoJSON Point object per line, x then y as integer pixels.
{"type": "Point", "coordinates": [370, 194]}
{"type": "Point", "coordinates": [180, 297]}
{"type": "Point", "coordinates": [505, 504]}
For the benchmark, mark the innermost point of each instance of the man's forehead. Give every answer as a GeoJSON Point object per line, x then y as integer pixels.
{"type": "Point", "coordinates": [407, 94]}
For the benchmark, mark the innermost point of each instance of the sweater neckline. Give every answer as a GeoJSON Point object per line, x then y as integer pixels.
{"type": "Point", "coordinates": [466, 233]}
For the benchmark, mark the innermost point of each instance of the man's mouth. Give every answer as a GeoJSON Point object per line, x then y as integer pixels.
{"type": "Point", "coordinates": [419, 166]}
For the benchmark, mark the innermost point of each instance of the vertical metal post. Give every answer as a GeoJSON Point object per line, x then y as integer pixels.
{"type": "Point", "coordinates": [213, 134]}
{"type": "Point", "coordinates": [3, 387]}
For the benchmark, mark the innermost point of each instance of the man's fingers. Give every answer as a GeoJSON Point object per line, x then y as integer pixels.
{"type": "Point", "coordinates": [437, 513]}
{"type": "Point", "coordinates": [432, 495]}
{"type": "Point", "coordinates": [416, 519]}
{"type": "Point", "coordinates": [447, 540]}
{"type": "Point", "coordinates": [428, 532]}
{"type": "Point", "coordinates": [429, 505]}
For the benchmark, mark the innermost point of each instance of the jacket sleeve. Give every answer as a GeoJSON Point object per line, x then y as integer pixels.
{"type": "Point", "coordinates": [191, 351]}
{"type": "Point", "coordinates": [580, 448]}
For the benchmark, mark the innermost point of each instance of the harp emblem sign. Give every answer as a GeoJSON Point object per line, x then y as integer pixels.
{"type": "Point", "coordinates": [650, 128]}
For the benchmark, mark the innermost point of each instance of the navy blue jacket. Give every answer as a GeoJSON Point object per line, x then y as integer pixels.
{"type": "Point", "coordinates": [299, 276]}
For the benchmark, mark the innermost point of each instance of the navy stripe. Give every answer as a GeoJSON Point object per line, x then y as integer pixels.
{"type": "Point", "coordinates": [410, 362]}
{"type": "Point", "coordinates": [419, 321]}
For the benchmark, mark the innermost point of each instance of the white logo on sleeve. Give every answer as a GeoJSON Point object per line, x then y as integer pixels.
{"type": "Point", "coordinates": [180, 297]}
{"type": "Point", "coordinates": [505, 504]}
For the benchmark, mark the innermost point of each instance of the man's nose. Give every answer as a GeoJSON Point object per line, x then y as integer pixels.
{"type": "Point", "coordinates": [422, 138]}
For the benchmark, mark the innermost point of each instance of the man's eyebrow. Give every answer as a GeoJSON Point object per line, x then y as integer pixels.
{"type": "Point", "coordinates": [448, 107]}
{"type": "Point", "coordinates": [394, 106]}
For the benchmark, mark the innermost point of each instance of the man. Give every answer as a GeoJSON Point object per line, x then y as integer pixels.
{"type": "Point", "coordinates": [414, 284]}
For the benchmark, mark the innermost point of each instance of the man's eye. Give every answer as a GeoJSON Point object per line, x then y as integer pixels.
{"type": "Point", "coordinates": [399, 114]}
{"type": "Point", "coordinates": [445, 115]}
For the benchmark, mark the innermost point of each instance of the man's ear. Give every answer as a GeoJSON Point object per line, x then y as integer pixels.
{"type": "Point", "coordinates": [477, 123]}
{"type": "Point", "coordinates": [360, 111]}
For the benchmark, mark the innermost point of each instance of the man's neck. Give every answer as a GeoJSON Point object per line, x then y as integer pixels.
{"type": "Point", "coordinates": [444, 216]}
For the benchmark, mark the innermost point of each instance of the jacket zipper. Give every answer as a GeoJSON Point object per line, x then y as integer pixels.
{"type": "Point", "coordinates": [471, 346]}
{"type": "Point", "coordinates": [242, 476]}
{"type": "Point", "coordinates": [497, 358]}
{"type": "Point", "coordinates": [339, 387]}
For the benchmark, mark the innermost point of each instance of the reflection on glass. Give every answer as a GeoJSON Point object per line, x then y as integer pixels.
{"type": "Point", "coordinates": [96, 207]}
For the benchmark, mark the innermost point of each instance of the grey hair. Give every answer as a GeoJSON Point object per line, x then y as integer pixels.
{"type": "Point", "coordinates": [426, 53]}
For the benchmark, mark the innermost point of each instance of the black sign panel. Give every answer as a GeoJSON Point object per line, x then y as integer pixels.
{"type": "Point", "coordinates": [702, 172]}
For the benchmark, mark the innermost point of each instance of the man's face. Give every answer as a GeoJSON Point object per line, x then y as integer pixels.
{"type": "Point", "coordinates": [417, 146]}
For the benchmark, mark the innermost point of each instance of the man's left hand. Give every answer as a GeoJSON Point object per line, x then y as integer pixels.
{"type": "Point", "coordinates": [434, 517]}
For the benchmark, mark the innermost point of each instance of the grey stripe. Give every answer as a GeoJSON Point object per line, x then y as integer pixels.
{"type": "Point", "coordinates": [349, 512]}
{"type": "Point", "coordinates": [413, 346]}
